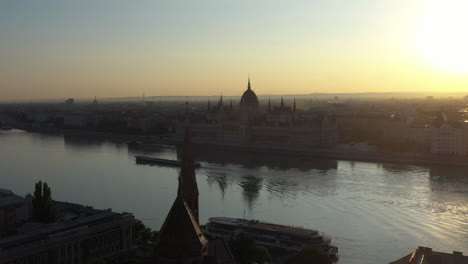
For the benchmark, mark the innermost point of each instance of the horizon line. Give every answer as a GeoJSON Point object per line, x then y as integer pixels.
{"type": "Point", "coordinates": [216, 96]}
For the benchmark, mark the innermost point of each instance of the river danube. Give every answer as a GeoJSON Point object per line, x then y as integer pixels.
{"type": "Point", "coordinates": [374, 213]}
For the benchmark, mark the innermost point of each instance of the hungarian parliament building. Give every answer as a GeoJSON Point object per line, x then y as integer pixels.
{"type": "Point", "coordinates": [252, 126]}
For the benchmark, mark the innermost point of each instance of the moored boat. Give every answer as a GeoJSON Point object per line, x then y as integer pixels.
{"type": "Point", "coordinates": [158, 161]}
{"type": "Point", "coordinates": [289, 238]}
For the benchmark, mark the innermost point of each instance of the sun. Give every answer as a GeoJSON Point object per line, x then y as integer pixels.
{"type": "Point", "coordinates": [442, 38]}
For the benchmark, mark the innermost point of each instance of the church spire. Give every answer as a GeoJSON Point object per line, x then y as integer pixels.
{"type": "Point", "coordinates": [187, 182]}
{"type": "Point", "coordinates": [294, 110]}
{"type": "Point", "coordinates": [248, 84]}
{"type": "Point", "coordinates": [221, 103]}
{"type": "Point", "coordinates": [181, 239]}
{"type": "Point", "coordinates": [269, 104]}
{"type": "Point", "coordinates": [282, 102]}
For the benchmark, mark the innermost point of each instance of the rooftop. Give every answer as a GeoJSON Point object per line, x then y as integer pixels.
{"type": "Point", "coordinates": [281, 229]}
{"type": "Point", "coordinates": [69, 217]}
{"type": "Point", "coordinates": [424, 255]}
{"type": "Point", "coordinates": [11, 200]}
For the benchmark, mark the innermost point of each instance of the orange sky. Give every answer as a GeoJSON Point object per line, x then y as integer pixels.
{"type": "Point", "coordinates": [53, 49]}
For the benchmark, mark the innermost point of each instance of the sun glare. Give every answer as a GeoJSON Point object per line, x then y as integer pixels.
{"type": "Point", "coordinates": [443, 38]}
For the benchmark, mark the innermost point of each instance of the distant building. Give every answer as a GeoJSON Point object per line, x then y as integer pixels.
{"type": "Point", "coordinates": [360, 126]}
{"type": "Point", "coordinates": [6, 119]}
{"type": "Point", "coordinates": [80, 235]}
{"type": "Point", "coordinates": [424, 255]}
{"type": "Point", "coordinates": [449, 137]}
{"type": "Point", "coordinates": [400, 130]}
{"type": "Point", "coordinates": [281, 127]}
{"type": "Point", "coordinates": [75, 120]}
{"type": "Point", "coordinates": [69, 101]}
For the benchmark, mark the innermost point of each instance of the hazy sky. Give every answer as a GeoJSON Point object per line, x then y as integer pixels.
{"type": "Point", "coordinates": [113, 48]}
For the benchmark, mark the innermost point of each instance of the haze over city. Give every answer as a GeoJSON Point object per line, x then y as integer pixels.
{"type": "Point", "coordinates": [233, 132]}
{"type": "Point", "coordinates": [82, 49]}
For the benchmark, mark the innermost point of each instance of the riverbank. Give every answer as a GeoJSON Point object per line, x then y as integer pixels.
{"type": "Point", "coordinates": [339, 154]}
{"type": "Point", "coordinates": [355, 155]}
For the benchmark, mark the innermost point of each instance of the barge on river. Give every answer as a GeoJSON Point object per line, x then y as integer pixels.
{"type": "Point", "coordinates": [274, 236]}
{"type": "Point", "coordinates": [157, 161]}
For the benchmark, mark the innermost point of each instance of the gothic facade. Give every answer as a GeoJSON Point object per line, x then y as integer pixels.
{"type": "Point", "coordinates": [250, 125]}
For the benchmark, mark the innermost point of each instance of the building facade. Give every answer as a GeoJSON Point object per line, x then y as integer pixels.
{"type": "Point", "coordinates": [14, 210]}
{"type": "Point", "coordinates": [281, 127]}
{"type": "Point", "coordinates": [449, 137]}
{"type": "Point", "coordinates": [80, 235]}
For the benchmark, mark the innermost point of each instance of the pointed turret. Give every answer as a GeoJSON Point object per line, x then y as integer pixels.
{"type": "Point", "coordinates": [187, 182]}
{"type": "Point", "coordinates": [220, 103]}
{"type": "Point", "coordinates": [248, 84]}
{"type": "Point", "coordinates": [269, 104]}
{"type": "Point", "coordinates": [294, 110]}
{"type": "Point", "coordinates": [282, 103]}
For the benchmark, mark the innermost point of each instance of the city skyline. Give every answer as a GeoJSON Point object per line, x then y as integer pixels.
{"type": "Point", "coordinates": [55, 49]}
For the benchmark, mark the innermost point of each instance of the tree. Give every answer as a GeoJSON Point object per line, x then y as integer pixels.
{"type": "Point", "coordinates": [309, 255]}
{"type": "Point", "coordinates": [43, 205]}
{"type": "Point", "coordinates": [245, 250]}
{"type": "Point", "coordinates": [37, 201]}
{"type": "Point", "coordinates": [144, 234]}
{"type": "Point", "coordinates": [262, 255]}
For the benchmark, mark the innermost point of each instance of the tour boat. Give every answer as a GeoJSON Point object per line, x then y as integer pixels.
{"type": "Point", "coordinates": [274, 236]}
{"type": "Point", "coordinates": [149, 160]}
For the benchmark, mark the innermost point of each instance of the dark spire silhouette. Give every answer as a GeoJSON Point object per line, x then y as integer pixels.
{"type": "Point", "coordinates": [181, 239]}
{"type": "Point", "coordinates": [269, 104]}
{"type": "Point", "coordinates": [294, 110]}
{"type": "Point", "coordinates": [248, 84]}
{"type": "Point", "coordinates": [180, 236]}
{"type": "Point", "coordinates": [209, 105]}
{"type": "Point", "coordinates": [230, 105]}
{"type": "Point", "coordinates": [282, 102]}
{"type": "Point", "coordinates": [188, 187]}
{"type": "Point", "coordinates": [221, 103]}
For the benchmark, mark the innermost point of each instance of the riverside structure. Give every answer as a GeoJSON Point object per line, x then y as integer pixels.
{"type": "Point", "coordinates": [81, 234]}
{"type": "Point", "coordinates": [280, 127]}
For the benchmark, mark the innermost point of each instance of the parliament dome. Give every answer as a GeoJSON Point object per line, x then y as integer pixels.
{"type": "Point", "coordinates": [249, 98]}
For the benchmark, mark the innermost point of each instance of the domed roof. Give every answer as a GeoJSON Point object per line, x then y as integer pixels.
{"type": "Point", "coordinates": [249, 98]}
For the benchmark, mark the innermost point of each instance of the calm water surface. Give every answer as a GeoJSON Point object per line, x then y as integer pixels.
{"type": "Point", "coordinates": [375, 213]}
